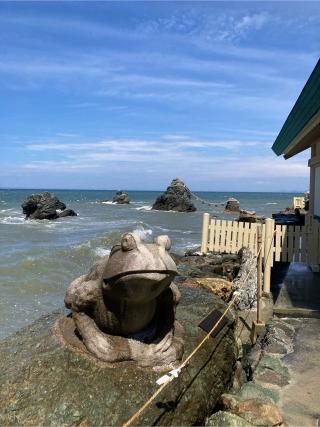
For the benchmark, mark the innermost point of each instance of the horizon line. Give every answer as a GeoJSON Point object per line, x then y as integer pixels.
{"type": "Point", "coordinates": [146, 191]}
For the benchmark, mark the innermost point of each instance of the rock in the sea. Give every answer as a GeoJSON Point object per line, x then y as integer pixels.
{"type": "Point", "coordinates": [233, 205]}
{"type": "Point", "coordinates": [46, 383]}
{"type": "Point", "coordinates": [247, 216]}
{"type": "Point", "coordinates": [67, 212]}
{"type": "Point", "coordinates": [45, 206]}
{"type": "Point", "coordinates": [177, 197]}
{"type": "Point", "coordinates": [121, 198]}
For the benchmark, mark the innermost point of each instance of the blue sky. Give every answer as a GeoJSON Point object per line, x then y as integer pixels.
{"type": "Point", "coordinates": [132, 94]}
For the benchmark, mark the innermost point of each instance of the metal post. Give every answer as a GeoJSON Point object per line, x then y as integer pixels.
{"type": "Point", "coordinates": [205, 233]}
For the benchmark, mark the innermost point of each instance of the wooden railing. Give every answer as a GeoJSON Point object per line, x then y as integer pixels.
{"type": "Point", "coordinates": [286, 243]}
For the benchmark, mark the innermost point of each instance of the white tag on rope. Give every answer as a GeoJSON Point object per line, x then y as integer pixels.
{"type": "Point", "coordinates": [175, 372]}
{"type": "Point", "coordinates": [165, 378]}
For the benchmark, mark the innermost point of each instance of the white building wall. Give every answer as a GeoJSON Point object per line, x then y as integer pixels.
{"type": "Point", "coordinates": [316, 208]}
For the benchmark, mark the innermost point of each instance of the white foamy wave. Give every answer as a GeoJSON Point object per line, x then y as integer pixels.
{"type": "Point", "coordinates": [108, 203]}
{"type": "Point", "coordinates": [143, 233]}
{"type": "Point", "coordinates": [101, 252]}
{"type": "Point", "coordinates": [272, 203]}
{"type": "Point", "coordinates": [12, 220]}
{"type": "Point", "coordinates": [83, 245]}
{"type": "Point", "coordinates": [7, 210]}
{"type": "Point", "coordinates": [144, 208]}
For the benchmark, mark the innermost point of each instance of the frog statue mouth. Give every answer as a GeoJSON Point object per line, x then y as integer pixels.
{"type": "Point", "coordinates": [138, 285]}
{"type": "Point", "coordinates": [124, 308]}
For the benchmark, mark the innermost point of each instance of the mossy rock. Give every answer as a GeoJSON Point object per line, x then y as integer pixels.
{"type": "Point", "coordinates": [251, 390]}
{"type": "Point", "coordinates": [226, 419]}
{"type": "Point", "coordinates": [45, 383]}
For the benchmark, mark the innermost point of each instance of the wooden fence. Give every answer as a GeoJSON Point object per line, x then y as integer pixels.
{"type": "Point", "coordinates": [286, 243]}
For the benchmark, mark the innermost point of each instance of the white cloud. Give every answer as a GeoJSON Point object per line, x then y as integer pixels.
{"type": "Point", "coordinates": [182, 155]}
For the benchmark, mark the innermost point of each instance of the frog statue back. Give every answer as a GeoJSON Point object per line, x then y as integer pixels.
{"type": "Point", "coordinates": [123, 310]}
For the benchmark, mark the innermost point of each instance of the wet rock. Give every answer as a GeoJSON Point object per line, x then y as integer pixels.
{"type": "Point", "coordinates": [67, 212]}
{"type": "Point", "coordinates": [233, 205]}
{"type": "Point", "coordinates": [45, 383]}
{"type": "Point", "coordinates": [247, 216]}
{"type": "Point", "coordinates": [177, 198]}
{"type": "Point", "coordinates": [121, 198]}
{"type": "Point", "coordinates": [45, 206]}
{"type": "Point", "coordinates": [220, 287]}
{"type": "Point", "coordinates": [226, 419]}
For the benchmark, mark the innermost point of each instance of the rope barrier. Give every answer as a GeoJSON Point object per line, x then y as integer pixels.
{"type": "Point", "coordinates": [174, 374]}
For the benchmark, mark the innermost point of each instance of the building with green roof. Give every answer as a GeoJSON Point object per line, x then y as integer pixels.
{"type": "Point", "coordinates": [301, 131]}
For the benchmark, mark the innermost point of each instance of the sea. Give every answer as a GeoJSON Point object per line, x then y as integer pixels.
{"type": "Point", "coordinates": [39, 259]}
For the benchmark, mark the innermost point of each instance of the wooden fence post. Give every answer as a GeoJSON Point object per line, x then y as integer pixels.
{"type": "Point", "coordinates": [268, 253]}
{"type": "Point", "coordinates": [205, 233]}
{"type": "Point", "coordinates": [259, 272]}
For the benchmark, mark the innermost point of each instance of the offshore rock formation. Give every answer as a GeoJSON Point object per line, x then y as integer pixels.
{"type": "Point", "coordinates": [177, 198]}
{"type": "Point", "coordinates": [45, 206]}
{"type": "Point", "coordinates": [247, 216]}
{"type": "Point", "coordinates": [124, 308]}
{"type": "Point", "coordinates": [121, 198]}
{"type": "Point", "coordinates": [233, 205]}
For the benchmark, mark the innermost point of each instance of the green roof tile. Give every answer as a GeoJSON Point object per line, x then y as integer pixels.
{"type": "Point", "coordinates": [306, 106]}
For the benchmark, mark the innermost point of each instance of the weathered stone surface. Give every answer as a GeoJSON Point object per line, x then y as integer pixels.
{"type": "Point", "coordinates": [45, 206]}
{"type": "Point", "coordinates": [251, 390]}
{"type": "Point", "coordinates": [121, 198]}
{"type": "Point", "coordinates": [226, 419]}
{"type": "Point", "coordinates": [248, 293]}
{"type": "Point", "coordinates": [269, 364]}
{"type": "Point", "coordinates": [233, 205]}
{"type": "Point", "coordinates": [220, 287]}
{"type": "Point", "coordinates": [259, 412]}
{"type": "Point", "coordinates": [247, 216]}
{"type": "Point", "coordinates": [239, 376]}
{"type": "Point", "coordinates": [44, 383]}
{"type": "Point", "coordinates": [177, 198]}
{"type": "Point", "coordinates": [269, 378]}
{"type": "Point", "coordinates": [211, 265]}
{"type": "Point", "coordinates": [277, 340]}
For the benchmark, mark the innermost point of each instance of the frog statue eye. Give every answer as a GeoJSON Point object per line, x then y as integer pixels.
{"type": "Point", "coordinates": [129, 241]}
{"type": "Point", "coordinates": [163, 241]}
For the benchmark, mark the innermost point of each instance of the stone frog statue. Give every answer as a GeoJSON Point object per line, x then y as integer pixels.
{"type": "Point", "coordinates": [124, 308]}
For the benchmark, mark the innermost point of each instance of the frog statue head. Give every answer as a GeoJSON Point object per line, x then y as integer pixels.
{"type": "Point", "coordinates": [124, 308]}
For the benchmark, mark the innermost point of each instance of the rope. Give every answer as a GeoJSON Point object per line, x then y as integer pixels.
{"type": "Point", "coordinates": [236, 295]}
{"type": "Point", "coordinates": [204, 200]}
